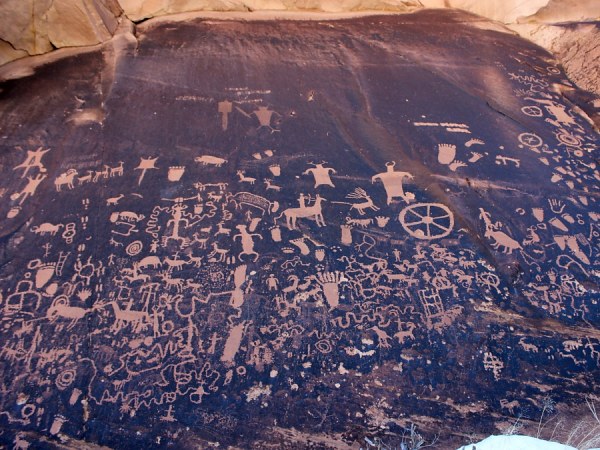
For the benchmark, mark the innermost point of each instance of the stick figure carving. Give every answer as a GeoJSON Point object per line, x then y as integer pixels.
{"type": "Point", "coordinates": [34, 159]}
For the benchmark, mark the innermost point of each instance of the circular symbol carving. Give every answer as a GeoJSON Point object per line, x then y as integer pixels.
{"type": "Point", "coordinates": [532, 111]}
{"type": "Point", "coordinates": [134, 248]}
{"type": "Point", "coordinates": [568, 139]}
{"type": "Point", "coordinates": [553, 70]}
{"type": "Point", "coordinates": [324, 346]}
{"type": "Point", "coordinates": [530, 140]}
{"type": "Point", "coordinates": [65, 379]}
{"type": "Point", "coordinates": [427, 220]}
{"type": "Point", "coordinates": [28, 411]}
{"type": "Point", "coordinates": [489, 279]}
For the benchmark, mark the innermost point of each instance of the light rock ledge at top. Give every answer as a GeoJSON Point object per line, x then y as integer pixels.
{"type": "Point", "coordinates": [33, 27]}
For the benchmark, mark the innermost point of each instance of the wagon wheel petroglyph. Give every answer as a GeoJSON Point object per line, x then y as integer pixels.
{"type": "Point", "coordinates": [427, 220]}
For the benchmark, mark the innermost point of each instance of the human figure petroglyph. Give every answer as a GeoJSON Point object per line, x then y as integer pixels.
{"type": "Point", "coordinates": [393, 183]}
{"type": "Point", "coordinates": [33, 159]}
{"type": "Point", "coordinates": [264, 116]}
{"type": "Point", "coordinates": [145, 165]}
{"type": "Point", "coordinates": [177, 219]}
{"type": "Point", "coordinates": [247, 242]}
{"type": "Point", "coordinates": [313, 212]}
{"type": "Point", "coordinates": [321, 174]}
{"type": "Point", "coordinates": [29, 189]}
{"type": "Point", "coordinates": [500, 240]}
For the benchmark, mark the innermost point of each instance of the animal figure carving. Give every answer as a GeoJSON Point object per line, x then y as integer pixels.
{"type": "Point", "coordinates": [500, 240]}
{"type": "Point", "coordinates": [244, 178]}
{"type": "Point", "coordinates": [47, 228]}
{"type": "Point", "coordinates": [366, 203]}
{"type": "Point", "coordinates": [307, 212]}
{"type": "Point", "coordinates": [402, 335]}
{"type": "Point", "coordinates": [60, 308]}
{"type": "Point", "coordinates": [206, 160]}
{"type": "Point", "coordinates": [65, 178]}
{"type": "Point", "coordinates": [138, 319]}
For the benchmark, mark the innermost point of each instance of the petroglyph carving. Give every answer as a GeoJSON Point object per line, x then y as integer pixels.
{"type": "Point", "coordinates": [427, 220]}
{"type": "Point", "coordinates": [33, 159]}
{"type": "Point", "coordinates": [175, 173]}
{"type": "Point", "coordinates": [47, 228]}
{"type": "Point", "coordinates": [264, 116]}
{"type": "Point", "coordinates": [367, 202]}
{"type": "Point", "coordinates": [313, 212]}
{"type": "Point", "coordinates": [503, 160]}
{"type": "Point", "coordinates": [269, 185]}
{"type": "Point", "coordinates": [145, 165]}
{"type": "Point", "coordinates": [393, 183]}
{"type": "Point", "coordinates": [225, 107]}
{"type": "Point", "coordinates": [321, 174]}
{"type": "Point", "coordinates": [208, 160]}
{"type": "Point", "coordinates": [403, 335]}
{"type": "Point", "coordinates": [500, 240]}
{"type": "Point", "coordinates": [247, 242]}
{"type": "Point", "coordinates": [510, 406]}
{"type": "Point", "coordinates": [65, 178]}
{"type": "Point", "coordinates": [493, 363]}
{"type": "Point", "coordinates": [244, 179]}
{"type": "Point", "coordinates": [330, 283]}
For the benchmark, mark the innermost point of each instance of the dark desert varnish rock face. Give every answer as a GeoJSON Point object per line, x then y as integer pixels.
{"type": "Point", "coordinates": [266, 233]}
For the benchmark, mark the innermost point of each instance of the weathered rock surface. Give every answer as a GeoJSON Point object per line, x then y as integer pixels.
{"type": "Point", "coordinates": [576, 46]}
{"type": "Point", "coordinates": [37, 27]}
{"type": "Point", "coordinates": [283, 234]}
